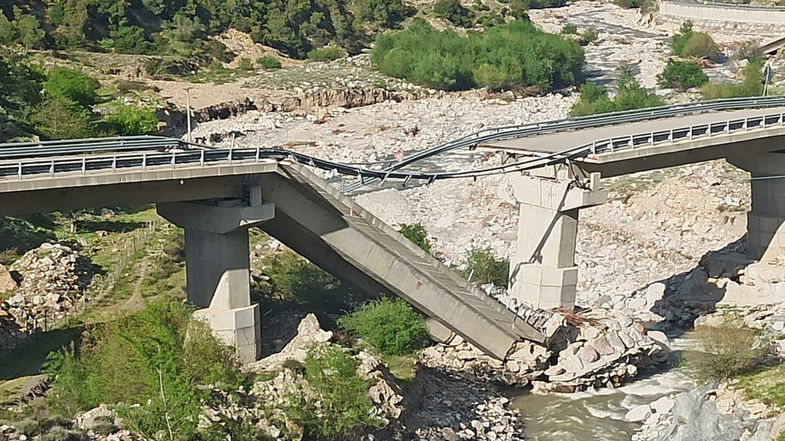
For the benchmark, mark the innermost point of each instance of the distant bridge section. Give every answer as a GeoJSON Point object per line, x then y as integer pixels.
{"type": "Point", "coordinates": [716, 11]}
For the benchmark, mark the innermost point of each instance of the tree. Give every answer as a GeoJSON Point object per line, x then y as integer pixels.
{"type": "Point", "coordinates": [60, 118]}
{"type": "Point", "coordinates": [454, 12]}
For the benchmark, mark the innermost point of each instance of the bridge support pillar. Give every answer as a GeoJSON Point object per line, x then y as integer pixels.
{"type": "Point", "coordinates": [766, 220]}
{"type": "Point", "coordinates": [217, 266]}
{"type": "Point", "coordinates": [543, 273]}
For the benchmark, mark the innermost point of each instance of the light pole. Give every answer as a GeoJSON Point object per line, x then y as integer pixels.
{"type": "Point", "coordinates": [188, 112]}
{"type": "Point", "coordinates": [767, 74]}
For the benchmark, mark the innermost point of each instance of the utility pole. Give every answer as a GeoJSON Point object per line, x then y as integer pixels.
{"type": "Point", "coordinates": [188, 112]}
{"type": "Point", "coordinates": [767, 75]}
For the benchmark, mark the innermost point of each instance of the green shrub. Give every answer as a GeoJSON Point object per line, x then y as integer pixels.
{"type": "Point", "coordinates": [344, 407]}
{"type": "Point", "coordinates": [751, 86]}
{"type": "Point", "coordinates": [631, 95]}
{"type": "Point", "coordinates": [59, 433]}
{"type": "Point", "coordinates": [392, 327]}
{"type": "Point", "coordinates": [71, 85]}
{"type": "Point", "coordinates": [680, 39]}
{"type": "Point", "coordinates": [327, 53]}
{"type": "Point", "coordinates": [515, 54]}
{"type": "Point", "coordinates": [725, 353]}
{"type": "Point", "coordinates": [589, 36]}
{"type": "Point", "coordinates": [245, 64]}
{"type": "Point", "coordinates": [417, 234]}
{"type": "Point", "coordinates": [688, 43]}
{"type": "Point", "coordinates": [483, 267]}
{"type": "Point", "coordinates": [269, 62]}
{"type": "Point", "coordinates": [700, 45]}
{"type": "Point", "coordinates": [155, 358]}
{"type": "Point", "coordinates": [132, 120]}
{"type": "Point", "coordinates": [569, 28]}
{"type": "Point", "coordinates": [682, 75]}
{"type": "Point", "coordinates": [382, 13]}
{"type": "Point", "coordinates": [60, 118]}
{"type": "Point", "coordinates": [454, 12]}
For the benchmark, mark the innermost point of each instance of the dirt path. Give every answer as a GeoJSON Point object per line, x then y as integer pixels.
{"type": "Point", "coordinates": [135, 302]}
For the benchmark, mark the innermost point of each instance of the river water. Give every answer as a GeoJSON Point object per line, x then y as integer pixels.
{"type": "Point", "coordinates": [598, 415]}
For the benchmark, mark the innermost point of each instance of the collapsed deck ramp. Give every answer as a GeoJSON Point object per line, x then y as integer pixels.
{"type": "Point", "coordinates": [335, 233]}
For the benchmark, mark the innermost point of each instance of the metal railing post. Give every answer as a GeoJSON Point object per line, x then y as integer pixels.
{"type": "Point", "coordinates": [144, 161]}
{"type": "Point", "coordinates": [201, 158]}
{"type": "Point", "coordinates": [174, 161]}
{"type": "Point", "coordinates": [84, 166]}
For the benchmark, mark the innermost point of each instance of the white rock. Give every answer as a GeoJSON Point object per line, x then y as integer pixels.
{"type": "Point", "coordinates": [638, 414]}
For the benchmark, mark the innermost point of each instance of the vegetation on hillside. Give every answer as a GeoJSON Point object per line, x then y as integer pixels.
{"type": "Point", "coordinates": [483, 267]}
{"type": "Point", "coordinates": [631, 95]}
{"type": "Point", "coordinates": [726, 352]}
{"type": "Point", "coordinates": [417, 234]}
{"type": "Point", "coordinates": [59, 103]}
{"type": "Point", "coordinates": [182, 27]}
{"type": "Point", "coordinates": [507, 56]}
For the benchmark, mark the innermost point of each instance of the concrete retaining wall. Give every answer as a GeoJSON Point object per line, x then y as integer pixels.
{"type": "Point", "coordinates": [698, 11]}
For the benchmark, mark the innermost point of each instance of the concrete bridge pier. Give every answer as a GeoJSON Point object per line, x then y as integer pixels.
{"type": "Point", "coordinates": [766, 220]}
{"type": "Point", "coordinates": [543, 273]}
{"type": "Point", "coordinates": [217, 265]}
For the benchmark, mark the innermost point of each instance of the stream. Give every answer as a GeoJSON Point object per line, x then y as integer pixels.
{"type": "Point", "coordinates": [598, 414]}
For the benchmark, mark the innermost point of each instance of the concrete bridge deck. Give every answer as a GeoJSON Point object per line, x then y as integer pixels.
{"type": "Point", "coordinates": [302, 211]}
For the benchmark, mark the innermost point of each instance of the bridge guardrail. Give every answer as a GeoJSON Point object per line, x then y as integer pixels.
{"type": "Point", "coordinates": [522, 131]}
{"type": "Point", "coordinates": [205, 158]}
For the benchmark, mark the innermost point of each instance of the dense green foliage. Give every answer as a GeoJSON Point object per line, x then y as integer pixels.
{"type": "Point", "coordinates": [483, 267]}
{"type": "Point", "coordinates": [751, 86]}
{"type": "Point", "coordinates": [688, 43]}
{"type": "Point", "coordinates": [392, 327]}
{"type": "Point", "coordinates": [154, 358]}
{"type": "Point", "coordinates": [59, 103]}
{"type": "Point", "coordinates": [766, 384]}
{"type": "Point", "coordinates": [453, 11]}
{"type": "Point", "coordinates": [343, 406]}
{"type": "Point", "coordinates": [724, 353]}
{"type": "Point", "coordinates": [631, 95]}
{"type": "Point", "coordinates": [507, 56]}
{"type": "Point", "coordinates": [327, 53]}
{"type": "Point", "coordinates": [71, 85]}
{"type": "Point", "coordinates": [269, 63]}
{"type": "Point", "coordinates": [682, 75]}
{"type": "Point", "coordinates": [181, 27]}
{"type": "Point", "coordinates": [417, 234]}
{"type": "Point", "coordinates": [132, 120]}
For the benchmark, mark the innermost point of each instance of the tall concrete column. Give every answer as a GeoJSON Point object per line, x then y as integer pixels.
{"type": "Point", "coordinates": [766, 220]}
{"type": "Point", "coordinates": [217, 267]}
{"type": "Point", "coordinates": [543, 272]}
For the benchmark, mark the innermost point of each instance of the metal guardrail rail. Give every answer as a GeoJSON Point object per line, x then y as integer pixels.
{"type": "Point", "coordinates": [724, 5]}
{"type": "Point", "coordinates": [141, 153]}
{"type": "Point", "coordinates": [582, 122]}
{"type": "Point", "coordinates": [84, 165]}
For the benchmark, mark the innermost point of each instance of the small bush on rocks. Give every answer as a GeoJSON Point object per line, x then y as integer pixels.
{"type": "Point", "coordinates": [569, 28]}
{"type": "Point", "coordinates": [59, 433]}
{"type": "Point", "coordinates": [682, 75]}
{"type": "Point", "coordinates": [71, 85]}
{"type": "Point", "coordinates": [268, 62]}
{"type": "Point", "coordinates": [327, 53]}
{"type": "Point", "coordinates": [342, 406]}
{"type": "Point", "coordinates": [392, 327]}
{"type": "Point", "coordinates": [726, 352]}
{"type": "Point", "coordinates": [483, 267]}
{"type": "Point", "coordinates": [417, 234]}
{"type": "Point", "coordinates": [628, 4]}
